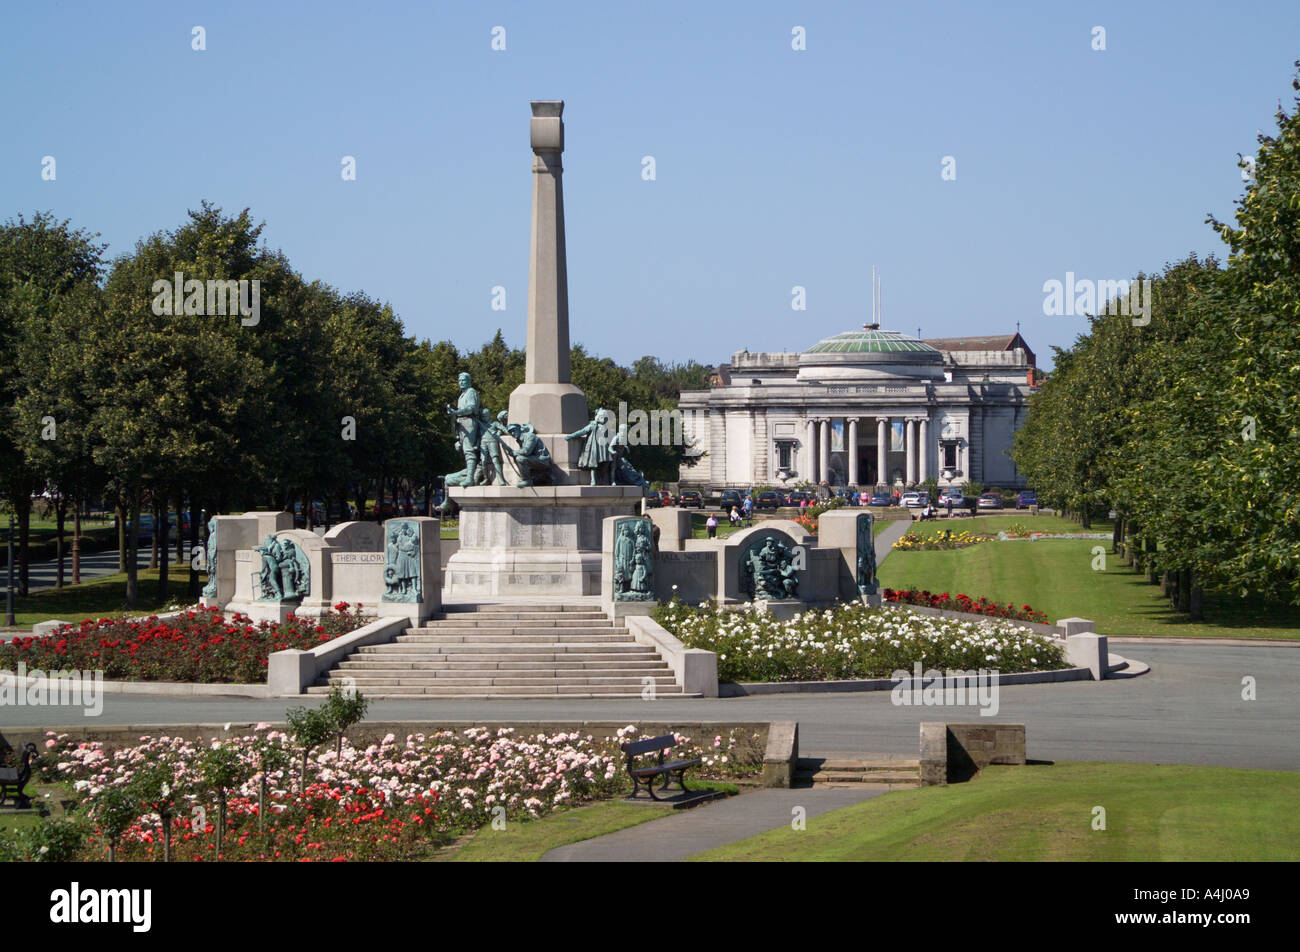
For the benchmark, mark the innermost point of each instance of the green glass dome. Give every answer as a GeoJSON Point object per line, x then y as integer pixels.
{"type": "Point", "coordinates": [871, 340]}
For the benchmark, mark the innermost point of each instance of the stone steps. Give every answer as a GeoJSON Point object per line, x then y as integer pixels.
{"type": "Point", "coordinates": [387, 664]}
{"type": "Point", "coordinates": [504, 694]}
{"type": "Point", "coordinates": [843, 772]}
{"type": "Point", "coordinates": [541, 620]}
{"type": "Point", "coordinates": [508, 651]}
{"type": "Point", "coordinates": [511, 634]}
{"type": "Point", "coordinates": [661, 681]}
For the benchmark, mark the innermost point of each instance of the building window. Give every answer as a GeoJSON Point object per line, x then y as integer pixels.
{"type": "Point", "coordinates": [950, 454]}
{"type": "Point", "coordinates": [784, 453]}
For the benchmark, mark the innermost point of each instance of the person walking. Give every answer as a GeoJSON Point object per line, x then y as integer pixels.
{"type": "Point", "coordinates": [947, 501]}
{"type": "Point", "coordinates": [712, 525]}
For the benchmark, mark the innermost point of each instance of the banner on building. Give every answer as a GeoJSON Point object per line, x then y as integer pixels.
{"type": "Point", "coordinates": [896, 442]}
{"type": "Point", "coordinates": [837, 436]}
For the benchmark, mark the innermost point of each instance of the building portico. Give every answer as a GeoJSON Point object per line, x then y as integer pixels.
{"type": "Point", "coordinates": [807, 418]}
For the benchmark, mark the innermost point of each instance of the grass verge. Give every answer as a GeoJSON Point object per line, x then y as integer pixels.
{"type": "Point", "coordinates": [1153, 813]}
{"type": "Point", "coordinates": [1056, 576]}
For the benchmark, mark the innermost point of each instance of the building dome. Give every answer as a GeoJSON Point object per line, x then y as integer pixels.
{"type": "Point", "coordinates": [871, 353]}
{"type": "Point", "coordinates": [870, 340]}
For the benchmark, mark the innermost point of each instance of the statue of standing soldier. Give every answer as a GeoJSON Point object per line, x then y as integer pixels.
{"type": "Point", "coordinates": [490, 450]}
{"type": "Point", "coordinates": [465, 416]}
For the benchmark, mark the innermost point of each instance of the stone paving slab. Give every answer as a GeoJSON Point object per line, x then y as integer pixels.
{"type": "Point", "coordinates": [684, 834]}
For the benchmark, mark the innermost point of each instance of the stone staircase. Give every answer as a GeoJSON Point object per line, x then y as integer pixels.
{"type": "Point", "coordinates": [824, 772]}
{"type": "Point", "coordinates": [508, 650]}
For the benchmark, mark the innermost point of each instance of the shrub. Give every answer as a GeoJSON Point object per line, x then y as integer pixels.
{"type": "Point", "coordinates": [199, 646]}
{"type": "Point", "coordinates": [852, 641]}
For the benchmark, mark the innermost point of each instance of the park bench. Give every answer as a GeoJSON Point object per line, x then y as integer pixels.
{"type": "Point", "coordinates": [13, 780]}
{"type": "Point", "coordinates": [646, 775]}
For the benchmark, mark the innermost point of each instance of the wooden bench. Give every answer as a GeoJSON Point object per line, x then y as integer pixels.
{"type": "Point", "coordinates": [13, 780]}
{"type": "Point", "coordinates": [645, 776]}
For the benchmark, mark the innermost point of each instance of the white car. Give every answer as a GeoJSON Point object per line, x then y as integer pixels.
{"type": "Point", "coordinates": [915, 500]}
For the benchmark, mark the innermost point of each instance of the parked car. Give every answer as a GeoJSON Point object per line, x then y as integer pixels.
{"type": "Point", "coordinates": [691, 498]}
{"type": "Point", "coordinates": [147, 526]}
{"type": "Point", "coordinates": [768, 499]}
{"type": "Point", "coordinates": [730, 497]}
{"type": "Point", "coordinates": [1026, 499]}
{"type": "Point", "coordinates": [850, 496]}
{"type": "Point", "coordinates": [665, 497]}
{"type": "Point", "coordinates": [797, 496]}
{"type": "Point", "coordinates": [653, 500]}
{"type": "Point", "coordinates": [880, 499]}
{"type": "Point", "coordinates": [915, 500]}
{"type": "Point", "coordinates": [990, 501]}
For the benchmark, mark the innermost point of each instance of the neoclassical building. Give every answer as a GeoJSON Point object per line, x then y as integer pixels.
{"type": "Point", "coordinates": [862, 404]}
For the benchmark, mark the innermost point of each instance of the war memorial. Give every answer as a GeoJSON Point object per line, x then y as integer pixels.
{"type": "Point", "coordinates": [550, 508]}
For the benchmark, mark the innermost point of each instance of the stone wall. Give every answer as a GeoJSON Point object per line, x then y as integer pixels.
{"type": "Point", "coordinates": [954, 753]}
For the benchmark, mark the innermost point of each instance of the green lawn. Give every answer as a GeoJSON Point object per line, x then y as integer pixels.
{"type": "Point", "coordinates": [701, 531]}
{"type": "Point", "coordinates": [1013, 814]}
{"type": "Point", "coordinates": [995, 524]}
{"type": "Point", "coordinates": [529, 842]}
{"type": "Point", "coordinates": [1056, 576]}
{"type": "Point", "coordinates": [103, 597]}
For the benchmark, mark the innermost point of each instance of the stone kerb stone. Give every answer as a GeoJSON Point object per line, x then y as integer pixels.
{"type": "Point", "coordinates": [236, 534]}
{"type": "Point", "coordinates": [1091, 651]}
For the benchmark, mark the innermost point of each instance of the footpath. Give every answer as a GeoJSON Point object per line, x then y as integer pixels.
{"type": "Point", "coordinates": [687, 832]}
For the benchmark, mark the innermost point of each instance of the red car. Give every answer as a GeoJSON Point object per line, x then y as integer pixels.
{"type": "Point", "coordinates": [666, 496]}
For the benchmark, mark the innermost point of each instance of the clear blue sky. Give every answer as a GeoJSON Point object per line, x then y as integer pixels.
{"type": "Point", "coordinates": [775, 168]}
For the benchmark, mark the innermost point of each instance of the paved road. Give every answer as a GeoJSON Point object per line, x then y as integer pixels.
{"type": "Point", "coordinates": [93, 565]}
{"type": "Point", "coordinates": [1187, 710]}
{"type": "Point", "coordinates": [684, 834]}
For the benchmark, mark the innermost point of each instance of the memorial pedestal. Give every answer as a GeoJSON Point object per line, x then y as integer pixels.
{"type": "Point", "coordinates": [542, 540]}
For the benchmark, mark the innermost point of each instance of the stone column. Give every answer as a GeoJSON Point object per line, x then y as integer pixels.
{"type": "Point", "coordinates": [909, 452]}
{"type": "Point", "coordinates": [810, 452]}
{"type": "Point", "coordinates": [824, 449]}
{"type": "Point", "coordinates": [924, 451]}
{"type": "Point", "coordinates": [547, 398]}
{"type": "Point", "coordinates": [853, 451]}
{"type": "Point", "coordinates": [762, 447]}
{"type": "Point", "coordinates": [882, 435]}
{"type": "Point", "coordinates": [717, 446]}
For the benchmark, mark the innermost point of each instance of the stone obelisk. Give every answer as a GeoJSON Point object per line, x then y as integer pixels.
{"type": "Point", "coordinates": [525, 541]}
{"type": "Point", "coordinates": [547, 399]}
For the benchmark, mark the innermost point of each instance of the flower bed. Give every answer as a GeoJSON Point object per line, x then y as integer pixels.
{"type": "Point", "coordinates": [912, 541]}
{"type": "Point", "coordinates": [808, 518]}
{"type": "Point", "coordinates": [964, 603]}
{"type": "Point", "coordinates": [200, 646]}
{"type": "Point", "coordinates": [852, 641]}
{"type": "Point", "coordinates": [394, 800]}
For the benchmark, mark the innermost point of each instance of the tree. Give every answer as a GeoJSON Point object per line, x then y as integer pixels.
{"type": "Point", "coordinates": [43, 263]}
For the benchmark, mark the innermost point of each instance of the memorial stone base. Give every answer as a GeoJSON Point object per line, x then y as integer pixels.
{"type": "Point", "coordinates": [543, 540]}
